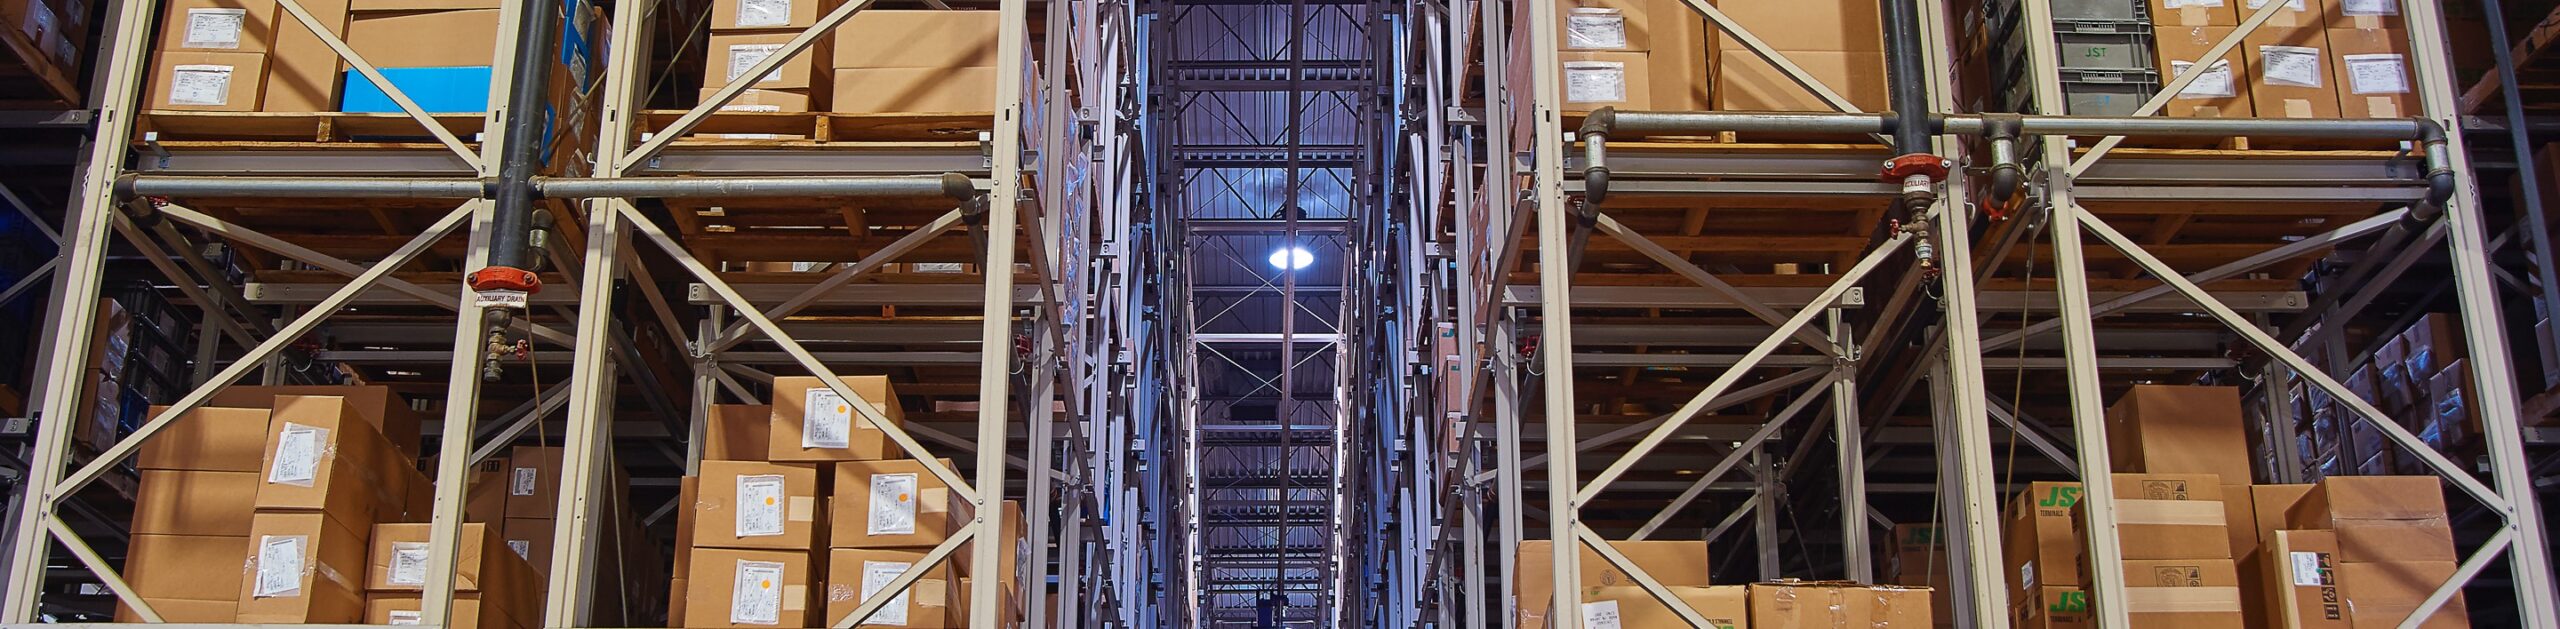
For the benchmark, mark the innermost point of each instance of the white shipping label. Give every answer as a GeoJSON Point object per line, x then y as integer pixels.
{"type": "Point", "coordinates": [2378, 73]}
{"type": "Point", "coordinates": [2027, 574]}
{"type": "Point", "coordinates": [754, 13]}
{"type": "Point", "coordinates": [297, 456]}
{"type": "Point", "coordinates": [279, 566]}
{"type": "Point", "coordinates": [827, 422]}
{"type": "Point", "coordinates": [2215, 83]}
{"type": "Point", "coordinates": [744, 57]}
{"type": "Point", "coordinates": [876, 576]}
{"type": "Point", "coordinates": [215, 28]}
{"type": "Point", "coordinates": [1595, 81]}
{"type": "Point", "coordinates": [522, 483]}
{"type": "Point", "coordinates": [753, 108]}
{"type": "Point", "coordinates": [2306, 568]}
{"type": "Point", "coordinates": [893, 505]}
{"type": "Point", "coordinates": [2290, 65]}
{"type": "Point", "coordinates": [405, 616]}
{"type": "Point", "coordinates": [2181, 4]}
{"type": "Point", "coordinates": [1601, 615]}
{"type": "Point", "coordinates": [523, 548]}
{"type": "Point", "coordinates": [1595, 28]}
{"type": "Point", "coordinates": [757, 599]}
{"type": "Point", "coordinates": [2370, 7]}
{"type": "Point", "coordinates": [200, 84]}
{"type": "Point", "coordinates": [760, 507]}
{"type": "Point", "coordinates": [408, 563]}
{"type": "Point", "coordinates": [2295, 5]}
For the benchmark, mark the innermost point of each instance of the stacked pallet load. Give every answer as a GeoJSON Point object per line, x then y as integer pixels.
{"type": "Point", "coordinates": [494, 588]}
{"type": "Point", "coordinates": [46, 37]}
{"type": "Point", "coordinates": [1917, 556]}
{"type": "Point", "coordinates": [2311, 59]}
{"type": "Point", "coordinates": [2418, 377]}
{"type": "Point", "coordinates": [1679, 565]}
{"type": "Point", "coordinates": [2363, 551]}
{"type": "Point", "coordinates": [745, 32]}
{"type": "Point", "coordinates": [1610, 597]}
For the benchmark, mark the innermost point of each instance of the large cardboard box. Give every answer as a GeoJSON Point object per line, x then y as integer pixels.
{"type": "Point", "coordinates": [2379, 518]}
{"type": "Point", "coordinates": [678, 589]}
{"type": "Point", "coordinates": [1818, 25]}
{"type": "Point", "coordinates": [469, 611]}
{"type": "Point", "coordinates": [207, 439]}
{"type": "Point", "coordinates": [2371, 69]}
{"type": "Point", "coordinates": [531, 538]}
{"type": "Point", "coordinates": [425, 39]}
{"type": "Point", "coordinates": [2043, 541]}
{"type": "Point", "coordinates": [304, 76]}
{"type": "Point", "coordinates": [304, 568]}
{"type": "Point", "coordinates": [321, 457]}
{"type": "Point", "coordinates": [2052, 608]}
{"type": "Point", "coordinates": [1007, 542]}
{"type": "Point", "coordinates": [2185, 14]}
{"type": "Point", "coordinates": [2223, 92]}
{"type": "Point", "coordinates": [910, 90]}
{"type": "Point", "coordinates": [2240, 523]}
{"type": "Point", "coordinates": [740, 432]}
{"type": "Point", "coordinates": [803, 403]}
{"type": "Point", "coordinates": [855, 575]}
{"type": "Point", "coordinates": [218, 25]}
{"type": "Point", "coordinates": [1724, 607]}
{"type": "Point", "coordinates": [745, 504]}
{"type": "Point", "coordinates": [1792, 604]}
{"type": "Point", "coordinates": [179, 610]}
{"type": "Point", "coordinates": [2302, 581]}
{"type": "Point", "coordinates": [2383, 594]}
{"type": "Point", "coordinates": [889, 504]}
{"type": "Point", "coordinates": [2288, 73]}
{"type": "Point", "coordinates": [207, 81]}
{"type": "Point", "coordinates": [749, 588]}
{"type": "Point", "coordinates": [1744, 82]}
{"type": "Point", "coordinates": [186, 567]}
{"type": "Point", "coordinates": [378, 405]}
{"type": "Point", "coordinates": [732, 54]}
{"type": "Point", "coordinates": [884, 38]}
{"type": "Point", "coordinates": [2162, 429]}
{"type": "Point", "coordinates": [484, 497]}
{"type": "Point", "coordinates": [2171, 516]}
{"type": "Point", "coordinates": [174, 502]}
{"type": "Point", "coordinates": [685, 493]}
{"type": "Point", "coordinates": [1672, 563]}
{"type": "Point", "coordinates": [533, 482]}
{"type": "Point", "coordinates": [2184, 594]}
{"type": "Point", "coordinates": [729, 15]}
{"type": "Point", "coordinates": [482, 563]}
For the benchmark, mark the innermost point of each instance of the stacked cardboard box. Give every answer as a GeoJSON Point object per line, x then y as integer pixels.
{"type": "Point", "coordinates": [2393, 546]}
{"type": "Point", "coordinates": [1630, 54]}
{"type": "Point", "coordinates": [1723, 606]}
{"type": "Point", "coordinates": [58, 30]}
{"type": "Point", "coordinates": [329, 476]}
{"type": "Point", "coordinates": [103, 409]}
{"type": "Point", "coordinates": [1839, 42]}
{"type": "Point", "coordinates": [746, 32]}
{"type": "Point", "coordinates": [1677, 564]}
{"type": "Point", "coordinates": [192, 508]}
{"type": "Point", "coordinates": [531, 503]}
{"type": "Point", "coordinates": [2311, 59]}
{"type": "Point", "coordinates": [493, 587]}
{"type": "Point", "coordinates": [915, 62]}
{"type": "Point", "coordinates": [1837, 604]}
{"type": "Point", "coordinates": [1917, 556]}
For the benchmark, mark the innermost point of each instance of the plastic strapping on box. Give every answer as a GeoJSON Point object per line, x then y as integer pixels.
{"type": "Point", "coordinates": [280, 567]}
{"type": "Point", "coordinates": [214, 28]}
{"type": "Point", "coordinates": [1595, 81]}
{"type": "Point", "coordinates": [1595, 28]}
{"type": "Point", "coordinates": [893, 505]}
{"type": "Point", "coordinates": [760, 508]}
{"type": "Point", "coordinates": [876, 576]}
{"type": "Point", "coordinates": [408, 564]}
{"type": "Point", "coordinates": [297, 455]}
{"type": "Point", "coordinates": [2170, 512]}
{"type": "Point", "coordinates": [826, 421]}
{"type": "Point", "coordinates": [2182, 599]}
{"type": "Point", "coordinates": [756, 599]}
{"type": "Point", "coordinates": [1601, 615]}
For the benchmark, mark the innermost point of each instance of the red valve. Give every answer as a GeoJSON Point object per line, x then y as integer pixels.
{"type": "Point", "coordinates": [505, 278]}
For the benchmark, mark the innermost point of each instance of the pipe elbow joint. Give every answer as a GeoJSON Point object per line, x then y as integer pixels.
{"type": "Point", "coordinates": [2440, 176]}
{"type": "Point", "coordinates": [1595, 184]}
{"type": "Point", "coordinates": [2006, 179]}
{"type": "Point", "coordinates": [958, 186]}
{"type": "Point", "coordinates": [1600, 121]}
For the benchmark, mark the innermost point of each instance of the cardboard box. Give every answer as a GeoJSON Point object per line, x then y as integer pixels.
{"type": "Point", "coordinates": [749, 588]}
{"type": "Point", "coordinates": [321, 457]}
{"type": "Point", "coordinates": [2052, 608]}
{"type": "Point", "coordinates": [186, 567]}
{"type": "Point", "coordinates": [179, 610]}
{"type": "Point", "coordinates": [387, 411]}
{"type": "Point", "coordinates": [2043, 543]}
{"type": "Point", "coordinates": [2223, 92]}
{"type": "Point", "coordinates": [1746, 83]}
{"type": "Point", "coordinates": [2371, 70]}
{"type": "Point", "coordinates": [2379, 518]}
{"type": "Point", "coordinates": [743, 504]}
{"type": "Point", "coordinates": [2450, 418]}
{"type": "Point", "coordinates": [1798, 25]}
{"type": "Point", "coordinates": [207, 81]}
{"type": "Point", "coordinates": [2289, 74]}
{"type": "Point", "coordinates": [2295, 14]}
{"type": "Point", "coordinates": [482, 563]}
{"type": "Point", "coordinates": [2184, 594]}
{"type": "Point", "coordinates": [2383, 594]}
{"type": "Point", "coordinates": [207, 439]}
{"type": "Point", "coordinates": [889, 504]}
{"type": "Point", "coordinates": [911, 90]}
{"type": "Point", "coordinates": [1724, 607]}
{"type": "Point", "coordinates": [2161, 429]}
{"type": "Point", "coordinates": [741, 432]}
{"type": "Point", "coordinates": [2186, 14]}
{"type": "Point", "coordinates": [533, 482]}
{"type": "Point", "coordinates": [469, 611]}
{"type": "Point", "coordinates": [218, 25]}
{"type": "Point", "coordinates": [2302, 582]}
{"type": "Point", "coordinates": [422, 5]}
{"type": "Point", "coordinates": [303, 76]}
{"type": "Point", "coordinates": [843, 435]}
{"type": "Point", "coordinates": [1007, 540]}
{"type": "Point", "coordinates": [304, 568]}
{"type": "Point", "coordinates": [678, 589]}
{"type": "Point", "coordinates": [794, 15]}
{"type": "Point", "coordinates": [530, 538]}
{"type": "Point", "coordinates": [854, 575]}
{"type": "Point", "coordinates": [2434, 341]}
{"type": "Point", "coordinates": [1672, 563]}
{"type": "Point", "coordinates": [484, 498]}
{"type": "Point", "coordinates": [884, 38]}
{"type": "Point", "coordinates": [425, 38]}
{"type": "Point", "coordinates": [2171, 516]}
{"type": "Point", "coordinates": [732, 54]}
{"type": "Point", "coordinates": [1788, 604]}
{"type": "Point", "coordinates": [174, 502]}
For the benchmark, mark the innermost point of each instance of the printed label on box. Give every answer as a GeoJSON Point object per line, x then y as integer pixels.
{"type": "Point", "coordinates": [2295, 5]}
{"type": "Point", "coordinates": [2306, 568]}
{"type": "Point", "coordinates": [1595, 28]}
{"type": "Point", "coordinates": [214, 28]}
{"type": "Point", "coordinates": [405, 616]}
{"type": "Point", "coordinates": [200, 84]}
{"type": "Point", "coordinates": [408, 563]}
{"type": "Point", "coordinates": [876, 576]}
{"type": "Point", "coordinates": [1595, 81]}
{"type": "Point", "coordinates": [523, 548]}
{"type": "Point", "coordinates": [297, 446]}
{"type": "Point", "coordinates": [753, 108]}
{"type": "Point", "coordinates": [279, 566]}
{"type": "Point", "coordinates": [757, 599]}
{"type": "Point", "coordinates": [1601, 615]}
{"type": "Point", "coordinates": [760, 506]}
{"type": "Point", "coordinates": [754, 13]}
{"type": "Point", "coordinates": [828, 420]}
{"type": "Point", "coordinates": [2214, 83]}
{"type": "Point", "coordinates": [2377, 73]}
{"type": "Point", "coordinates": [744, 57]}
{"type": "Point", "coordinates": [2290, 65]}
{"type": "Point", "coordinates": [2369, 7]}
{"type": "Point", "coordinates": [2027, 574]}
{"type": "Point", "coordinates": [522, 484]}
{"type": "Point", "coordinates": [2181, 4]}
{"type": "Point", "coordinates": [893, 505]}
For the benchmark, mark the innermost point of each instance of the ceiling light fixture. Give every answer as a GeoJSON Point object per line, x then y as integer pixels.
{"type": "Point", "coordinates": [1292, 259]}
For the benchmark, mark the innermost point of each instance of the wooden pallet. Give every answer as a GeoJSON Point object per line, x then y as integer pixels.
{"type": "Point", "coordinates": [258, 128]}
{"type": "Point", "coordinates": [832, 130]}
